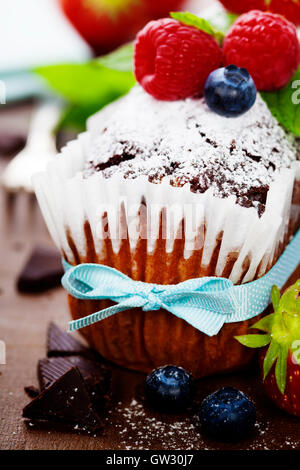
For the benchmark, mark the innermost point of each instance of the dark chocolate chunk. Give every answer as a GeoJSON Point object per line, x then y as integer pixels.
{"type": "Point", "coordinates": [66, 400]}
{"type": "Point", "coordinates": [62, 343]}
{"type": "Point", "coordinates": [32, 391]}
{"type": "Point", "coordinates": [42, 271]}
{"type": "Point", "coordinates": [97, 376]}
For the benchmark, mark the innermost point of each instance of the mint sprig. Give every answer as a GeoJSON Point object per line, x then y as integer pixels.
{"type": "Point", "coordinates": [121, 59]}
{"type": "Point", "coordinates": [87, 87]}
{"type": "Point", "coordinates": [200, 23]}
{"type": "Point", "coordinates": [284, 104]}
{"type": "Point", "coordinates": [281, 331]}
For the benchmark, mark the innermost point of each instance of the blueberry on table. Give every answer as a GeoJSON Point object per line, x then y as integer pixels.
{"type": "Point", "coordinates": [230, 91]}
{"type": "Point", "coordinates": [169, 388]}
{"type": "Point", "coordinates": [227, 415]}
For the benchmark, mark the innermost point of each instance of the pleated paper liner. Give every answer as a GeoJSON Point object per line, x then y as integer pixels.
{"type": "Point", "coordinates": [90, 221]}
{"type": "Point", "coordinates": [145, 340]}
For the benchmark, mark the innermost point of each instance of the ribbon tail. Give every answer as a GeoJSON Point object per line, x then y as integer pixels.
{"type": "Point", "coordinates": [127, 304]}
{"type": "Point", "coordinates": [206, 321]}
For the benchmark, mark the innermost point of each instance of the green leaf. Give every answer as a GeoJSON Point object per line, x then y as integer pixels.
{"type": "Point", "coordinates": [199, 23]}
{"type": "Point", "coordinates": [285, 104]}
{"type": "Point", "coordinates": [290, 300]}
{"type": "Point", "coordinates": [275, 295]}
{"type": "Point", "coordinates": [283, 327]}
{"type": "Point", "coordinates": [281, 366]}
{"type": "Point", "coordinates": [264, 324]}
{"type": "Point", "coordinates": [75, 116]}
{"type": "Point", "coordinates": [88, 83]}
{"type": "Point", "coordinates": [121, 59]}
{"type": "Point", "coordinates": [271, 356]}
{"type": "Point", "coordinates": [295, 348]}
{"type": "Point", "coordinates": [254, 341]}
{"type": "Point", "coordinates": [219, 18]}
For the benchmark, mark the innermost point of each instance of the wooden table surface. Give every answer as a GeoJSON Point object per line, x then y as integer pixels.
{"type": "Point", "coordinates": [129, 424]}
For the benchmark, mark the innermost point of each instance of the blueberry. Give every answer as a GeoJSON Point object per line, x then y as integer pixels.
{"type": "Point", "coordinates": [169, 388]}
{"type": "Point", "coordinates": [230, 91]}
{"type": "Point", "coordinates": [227, 415]}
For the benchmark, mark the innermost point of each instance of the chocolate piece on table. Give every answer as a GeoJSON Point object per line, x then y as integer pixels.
{"type": "Point", "coordinates": [97, 377]}
{"type": "Point", "coordinates": [62, 343]}
{"type": "Point", "coordinates": [67, 401]}
{"type": "Point", "coordinates": [32, 391]}
{"type": "Point", "coordinates": [42, 271]}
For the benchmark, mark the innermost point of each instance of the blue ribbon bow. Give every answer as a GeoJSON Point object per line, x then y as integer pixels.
{"type": "Point", "coordinates": [205, 303]}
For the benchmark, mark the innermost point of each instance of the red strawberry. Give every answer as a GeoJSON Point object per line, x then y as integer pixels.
{"type": "Point", "coordinates": [280, 362]}
{"type": "Point", "coordinates": [266, 45]}
{"type": "Point", "coordinates": [159, 8]}
{"type": "Point", "coordinates": [288, 8]}
{"type": "Point", "coordinates": [238, 6]}
{"type": "Point", "coordinates": [290, 399]}
{"type": "Point", "coordinates": [173, 60]}
{"type": "Point", "coordinates": [106, 24]}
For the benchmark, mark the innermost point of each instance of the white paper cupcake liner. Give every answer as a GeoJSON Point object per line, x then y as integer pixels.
{"type": "Point", "coordinates": [68, 202]}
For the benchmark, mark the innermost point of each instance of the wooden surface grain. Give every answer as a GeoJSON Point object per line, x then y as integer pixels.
{"type": "Point", "coordinates": [129, 423]}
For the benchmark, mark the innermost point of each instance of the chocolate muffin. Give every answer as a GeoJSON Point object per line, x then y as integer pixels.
{"type": "Point", "coordinates": [165, 192]}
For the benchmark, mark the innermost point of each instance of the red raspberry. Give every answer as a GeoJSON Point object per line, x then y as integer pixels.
{"type": "Point", "coordinates": [266, 45]}
{"type": "Point", "coordinates": [288, 8]}
{"type": "Point", "coordinates": [172, 61]}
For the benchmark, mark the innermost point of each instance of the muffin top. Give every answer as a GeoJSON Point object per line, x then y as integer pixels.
{"type": "Point", "coordinates": [189, 144]}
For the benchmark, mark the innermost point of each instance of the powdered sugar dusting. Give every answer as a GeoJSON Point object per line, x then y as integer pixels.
{"type": "Point", "coordinates": [138, 429]}
{"type": "Point", "coordinates": [188, 144]}
{"type": "Point", "coordinates": [142, 431]}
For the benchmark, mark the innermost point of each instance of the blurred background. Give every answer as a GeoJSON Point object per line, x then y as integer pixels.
{"type": "Point", "coordinates": [57, 67]}
{"type": "Point", "coordinates": [69, 34]}
{"type": "Point", "coordinates": [60, 62]}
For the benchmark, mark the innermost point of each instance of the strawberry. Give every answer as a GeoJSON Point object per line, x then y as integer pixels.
{"type": "Point", "coordinates": [280, 362]}
{"type": "Point", "coordinates": [236, 6]}
{"type": "Point", "coordinates": [106, 24]}
{"type": "Point", "coordinates": [288, 8]}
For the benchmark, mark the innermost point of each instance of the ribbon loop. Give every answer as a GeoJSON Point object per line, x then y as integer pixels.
{"type": "Point", "coordinates": [205, 303]}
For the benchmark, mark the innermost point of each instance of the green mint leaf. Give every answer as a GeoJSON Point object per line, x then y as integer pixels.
{"type": "Point", "coordinates": [264, 324]}
{"type": "Point", "coordinates": [284, 104]}
{"type": "Point", "coordinates": [281, 366]}
{"type": "Point", "coordinates": [271, 356]}
{"type": "Point", "coordinates": [199, 23]}
{"type": "Point", "coordinates": [121, 59]}
{"type": "Point", "coordinates": [220, 19]}
{"type": "Point", "coordinates": [75, 116]}
{"type": "Point", "coordinates": [254, 341]}
{"type": "Point", "coordinates": [84, 84]}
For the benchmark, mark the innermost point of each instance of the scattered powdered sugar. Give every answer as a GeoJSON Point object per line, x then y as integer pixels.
{"type": "Point", "coordinates": [142, 431]}
{"type": "Point", "coordinates": [138, 429]}
{"type": "Point", "coordinates": [188, 144]}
